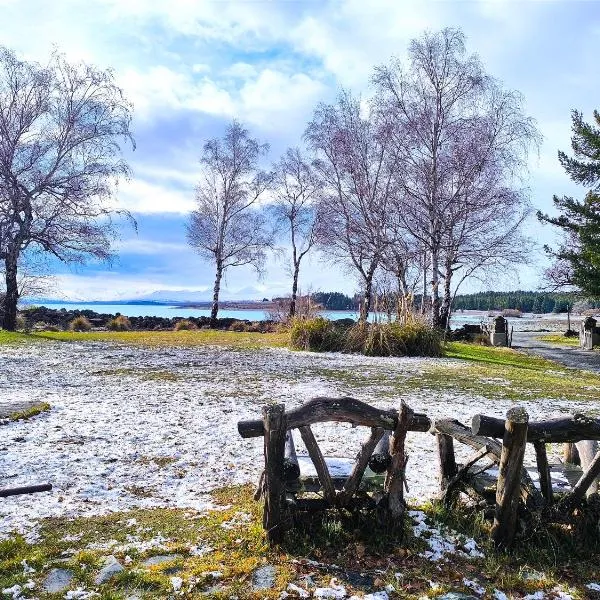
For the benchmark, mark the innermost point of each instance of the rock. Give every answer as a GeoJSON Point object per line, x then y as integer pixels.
{"type": "Point", "coordinates": [456, 596]}
{"type": "Point", "coordinates": [57, 580]}
{"type": "Point", "coordinates": [264, 578]}
{"type": "Point", "coordinates": [161, 559]}
{"type": "Point", "coordinates": [111, 567]}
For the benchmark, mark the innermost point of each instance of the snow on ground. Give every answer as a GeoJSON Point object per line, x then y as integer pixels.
{"type": "Point", "coordinates": [140, 427]}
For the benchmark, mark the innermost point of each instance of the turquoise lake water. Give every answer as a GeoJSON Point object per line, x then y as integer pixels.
{"type": "Point", "coordinates": [156, 310]}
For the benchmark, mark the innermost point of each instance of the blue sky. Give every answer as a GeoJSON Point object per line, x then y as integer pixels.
{"type": "Point", "coordinates": [190, 66]}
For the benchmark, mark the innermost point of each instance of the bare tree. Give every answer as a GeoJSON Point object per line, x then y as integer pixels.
{"type": "Point", "coordinates": [353, 150]}
{"type": "Point", "coordinates": [226, 227]}
{"type": "Point", "coordinates": [456, 131]}
{"type": "Point", "coordinates": [60, 125]}
{"type": "Point", "coordinates": [296, 188]}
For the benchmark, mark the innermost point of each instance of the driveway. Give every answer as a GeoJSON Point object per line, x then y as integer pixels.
{"type": "Point", "coordinates": [587, 360]}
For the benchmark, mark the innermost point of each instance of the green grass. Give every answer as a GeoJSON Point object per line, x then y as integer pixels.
{"type": "Point", "coordinates": [495, 373]}
{"type": "Point", "coordinates": [349, 546]}
{"type": "Point", "coordinates": [35, 410]}
{"type": "Point", "coordinates": [156, 339]}
{"type": "Point", "coordinates": [557, 338]}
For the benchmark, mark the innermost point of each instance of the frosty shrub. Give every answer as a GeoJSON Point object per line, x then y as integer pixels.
{"type": "Point", "coordinates": [318, 334]}
{"type": "Point", "coordinates": [119, 323]}
{"type": "Point", "coordinates": [394, 339]}
{"type": "Point", "coordinates": [80, 323]}
{"type": "Point", "coordinates": [185, 325]}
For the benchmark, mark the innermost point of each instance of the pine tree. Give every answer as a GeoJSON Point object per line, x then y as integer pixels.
{"type": "Point", "coordinates": [578, 258]}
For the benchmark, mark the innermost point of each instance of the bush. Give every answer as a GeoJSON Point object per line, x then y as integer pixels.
{"type": "Point", "coordinates": [318, 334]}
{"type": "Point", "coordinates": [80, 323]}
{"type": "Point", "coordinates": [482, 339]}
{"type": "Point", "coordinates": [372, 339]}
{"type": "Point", "coordinates": [512, 312]}
{"type": "Point", "coordinates": [394, 339]}
{"type": "Point", "coordinates": [185, 325]}
{"type": "Point", "coordinates": [239, 326]}
{"type": "Point", "coordinates": [119, 323]}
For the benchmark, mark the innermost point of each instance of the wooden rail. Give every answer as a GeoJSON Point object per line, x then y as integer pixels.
{"type": "Point", "coordinates": [344, 409]}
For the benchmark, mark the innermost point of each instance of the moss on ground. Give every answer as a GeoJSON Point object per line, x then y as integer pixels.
{"type": "Point", "coordinates": [218, 550]}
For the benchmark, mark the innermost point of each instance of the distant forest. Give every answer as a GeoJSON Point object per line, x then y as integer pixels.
{"type": "Point", "coordinates": [525, 301]}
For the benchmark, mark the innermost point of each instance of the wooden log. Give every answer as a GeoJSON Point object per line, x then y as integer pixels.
{"type": "Point", "coordinates": [543, 467]}
{"type": "Point", "coordinates": [320, 466]}
{"type": "Point", "coordinates": [529, 492]}
{"type": "Point", "coordinates": [460, 475]}
{"type": "Point", "coordinates": [25, 489]}
{"type": "Point", "coordinates": [557, 430]}
{"type": "Point", "coordinates": [381, 457]}
{"type": "Point", "coordinates": [447, 460]}
{"type": "Point", "coordinates": [582, 486]}
{"type": "Point", "coordinates": [337, 409]}
{"type": "Point", "coordinates": [291, 468]}
{"type": "Point", "coordinates": [509, 477]}
{"type": "Point", "coordinates": [362, 459]}
{"type": "Point", "coordinates": [570, 454]}
{"type": "Point", "coordinates": [587, 450]}
{"type": "Point", "coordinates": [274, 490]}
{"type": "Point", "coordinates": [395, 479]}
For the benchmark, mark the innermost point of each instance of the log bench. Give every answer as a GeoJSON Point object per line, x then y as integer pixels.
{"type": "Point", "coordinates": [290, 482]}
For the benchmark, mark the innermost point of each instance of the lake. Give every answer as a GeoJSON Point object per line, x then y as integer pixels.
{"type": "Point", "coordinates": [159, 310]}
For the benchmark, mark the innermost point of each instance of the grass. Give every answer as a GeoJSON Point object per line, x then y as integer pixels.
{"type": "Point", "coordinates": [216, 552]}
{"type": "Point", "coordinates": [557, 338]}
{"type": "Point", "coordinates": [28, 413]}
{"type": "Point", "coordinates": [495, 373]}
{"type": "Point", "coordinates": [156, 339]}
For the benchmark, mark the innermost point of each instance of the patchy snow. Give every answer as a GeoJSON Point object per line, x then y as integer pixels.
{"type": "Point", "coordinates": [142, 427]}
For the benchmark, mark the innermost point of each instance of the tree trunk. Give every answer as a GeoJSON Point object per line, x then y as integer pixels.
{"type": "Point", "coordinates": [365, 307]}
{"type": "Point", "coordinates": [447, 301]}
{"type": "Point", "coordinates": [292, 312]}
{"type": "Point", "coordinates": [424, 295]}
{"type": "Point", "coordinates": [216, 291]}
{"type": "Point", "coordinates": [11, 298]}
{"type": "Point", "coordinates": [435, 290]}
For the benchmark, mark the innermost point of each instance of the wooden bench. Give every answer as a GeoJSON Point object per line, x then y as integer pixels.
{"type": "Point", "coordinates": [290, 482]}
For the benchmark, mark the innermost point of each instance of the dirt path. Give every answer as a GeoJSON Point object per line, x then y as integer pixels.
{"type": "Point", "coordinates": [565, 355]}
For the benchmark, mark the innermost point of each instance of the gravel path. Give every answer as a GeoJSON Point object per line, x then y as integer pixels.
{"type": "Point", "coordinates": [138, 427]}
{"type": "Point", "coordinates": [565, 355]}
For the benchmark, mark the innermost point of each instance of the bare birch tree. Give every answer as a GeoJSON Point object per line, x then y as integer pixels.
{"type": "Point", "coordinates": [227, 228]}
{"type": "Point", "coordinates": [455, 130]}
{"type": "Point", "coordinates": [353, 150]}
{"type": "Point", "coordinates": [296, 189]}
{"type": "Point", "coordinates": [60, 127]}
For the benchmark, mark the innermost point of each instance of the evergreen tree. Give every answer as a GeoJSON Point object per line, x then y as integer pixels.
{"type": "Point", "coordinates": [578, 258]}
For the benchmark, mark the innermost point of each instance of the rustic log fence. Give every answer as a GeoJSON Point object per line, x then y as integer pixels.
{"type": "Point", "coordinates": [493, 475]}
{"type": "Point", "coordinates": [285, 491]}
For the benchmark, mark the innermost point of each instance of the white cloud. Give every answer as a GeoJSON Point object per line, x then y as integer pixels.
{"type": "Point", "coordinates": [143, 246]}
{"type": "Point", "coordinates": [142, 196]}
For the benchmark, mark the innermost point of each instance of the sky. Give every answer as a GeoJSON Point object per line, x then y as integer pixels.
{"type": "Point", "coordinates": [190, 66]}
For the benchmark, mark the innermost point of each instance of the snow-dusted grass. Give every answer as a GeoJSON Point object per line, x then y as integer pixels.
{"type": "Point", "coordinates": [140, 425]}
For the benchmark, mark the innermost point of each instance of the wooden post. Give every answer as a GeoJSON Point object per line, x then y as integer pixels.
{"type": "Point", "coordinates": [587, 450]}
{"type": "Point", "coordinates": [509, 477]}
{"type": "Point", "coordinates": [380, 459]}
{"type": "Point", "coordinates": [395, 479]}
{"type": "Point", "coordinates": [570, 454]}
{"type": "Point", "coordinates": [274, 489]}
{"type": "Point", "coordinates": [448, 468]}
{"type": "Point", "coordinates": [544, 471]}
{"type": "Point", "coordinates": [291, 468]}
{"type": "Point", "coordinates": [585, 481]}
{"type": "Point", "coordinates": [316, 456]}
